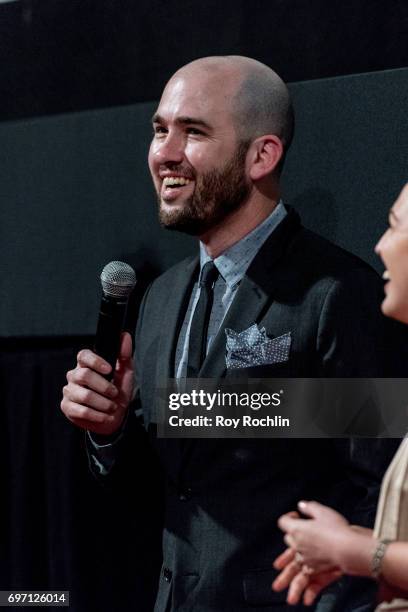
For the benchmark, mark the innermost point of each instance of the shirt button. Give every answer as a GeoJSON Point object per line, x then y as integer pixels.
{"type": "Point", "coordinates": [167, 574]}
{"type": "Point", "coordinates": [185, 494]}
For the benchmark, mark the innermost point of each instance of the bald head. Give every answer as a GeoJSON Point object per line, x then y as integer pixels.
{"type": "Point", "coordinates": [259, 99]}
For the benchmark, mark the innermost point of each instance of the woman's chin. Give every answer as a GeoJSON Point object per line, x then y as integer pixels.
{"type": "Point", "coordinates": [395, 310]}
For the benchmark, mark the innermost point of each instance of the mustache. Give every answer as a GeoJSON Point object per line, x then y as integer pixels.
{"type": "Point", "coordinates": [178, 169]}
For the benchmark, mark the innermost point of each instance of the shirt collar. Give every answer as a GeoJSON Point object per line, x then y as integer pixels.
{"type": "Point", "coordinates": [234, 262]}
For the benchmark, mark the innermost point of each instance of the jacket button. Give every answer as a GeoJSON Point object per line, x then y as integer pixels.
{"type": "Point", "coordinates": [167, 574]}
{"type": "Point", "coordinates": [185, 494]}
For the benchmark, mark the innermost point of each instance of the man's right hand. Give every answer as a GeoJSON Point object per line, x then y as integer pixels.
{"type": "Point", "coordinates": [89, 400]}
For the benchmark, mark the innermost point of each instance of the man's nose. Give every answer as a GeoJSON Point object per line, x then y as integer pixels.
{"type": "Point", "coordinates": [170, 149]}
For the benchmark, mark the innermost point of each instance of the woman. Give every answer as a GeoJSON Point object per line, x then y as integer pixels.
{"type": "Point", "coordinates": [325, 546]}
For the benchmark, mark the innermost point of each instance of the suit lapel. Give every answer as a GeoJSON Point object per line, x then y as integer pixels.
{"type": "Point", "coordinates": [176, 306]}
{"type": "Point", "coordinates": [178, 299]}
{"type": "Point", "coordinates": [254, 294]}
{"type": "Point", "coordinates": [248, 303]}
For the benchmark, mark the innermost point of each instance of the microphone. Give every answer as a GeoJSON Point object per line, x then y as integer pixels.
{"type": "Point", "coordinates": [118, 280]}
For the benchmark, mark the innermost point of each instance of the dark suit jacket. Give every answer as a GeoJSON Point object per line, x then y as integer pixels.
{"type": "Point", "coordinates": [223, 497]}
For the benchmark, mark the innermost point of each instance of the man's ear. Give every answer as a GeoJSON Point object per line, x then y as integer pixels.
{"type": "Point", "coordinates": [264, 155]}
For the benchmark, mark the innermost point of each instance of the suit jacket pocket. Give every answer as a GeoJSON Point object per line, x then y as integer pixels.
{"type": "Point", "coordinates": [258, 591]}
{"type": "Point", "coordinates": [274, 370]}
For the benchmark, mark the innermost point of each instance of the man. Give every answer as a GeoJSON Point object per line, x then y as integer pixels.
{"type": "Point", "coordinates": [221, 132]}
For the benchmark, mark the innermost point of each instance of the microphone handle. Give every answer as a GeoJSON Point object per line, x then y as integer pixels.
{"type": "Point", "coordinates": [108, 332]}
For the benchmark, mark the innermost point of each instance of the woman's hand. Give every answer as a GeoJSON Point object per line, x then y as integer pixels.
{"type": "Point", "coordinates": [300, 582]}
{"type": "Point", "coordinates": [321, 549]}
{"type": "Point", "coordinates": [317, 541]}
{"type": "Point", "coordinates": [307, 565]}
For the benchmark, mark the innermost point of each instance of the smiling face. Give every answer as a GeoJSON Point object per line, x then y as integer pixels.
{"type": "Point", "coordinates": [196, 160]}
{"type": "Point", "coordinates": [393, 250]}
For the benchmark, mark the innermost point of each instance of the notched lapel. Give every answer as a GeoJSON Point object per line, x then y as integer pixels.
{"type": "Point", "coordinates": [178, 298]}
{"type": "Point", "coordinates": [254, 295]}
{"type": "Point", "coordinates": [173, 316]}
{"type": "Point", "coordinates": [248, 304]}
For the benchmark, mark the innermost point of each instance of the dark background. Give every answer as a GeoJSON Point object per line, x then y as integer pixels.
{"type": "Point", "coordinates": [74, 190]}
{"type": "Point", "coordinates": [59, 55]}
{"type": "Point", "coordinates": [78, 193]}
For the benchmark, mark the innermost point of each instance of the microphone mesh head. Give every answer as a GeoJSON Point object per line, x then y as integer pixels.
{"type": "Point", "coordinates": [118, 279]}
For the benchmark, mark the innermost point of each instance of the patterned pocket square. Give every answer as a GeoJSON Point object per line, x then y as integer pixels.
{"type": "Point", "coordinates": [252, 347]}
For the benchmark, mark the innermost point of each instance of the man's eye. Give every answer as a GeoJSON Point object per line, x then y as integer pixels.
{"type": "Point", "coordinates": [194, 131]}
{"type": "Point", "coordinates": [159, 129]}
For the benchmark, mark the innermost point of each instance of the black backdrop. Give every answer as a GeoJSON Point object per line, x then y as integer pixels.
{"type": "Point", "coordinates": [58, 528]}
{"type": "Point", "coordinates": [77, 194]}
{"type": "Point", "coordinates": [59, 55]}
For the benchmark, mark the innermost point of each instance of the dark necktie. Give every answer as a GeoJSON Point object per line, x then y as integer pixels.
{"type": "Point", "coordinates": [199, 325]}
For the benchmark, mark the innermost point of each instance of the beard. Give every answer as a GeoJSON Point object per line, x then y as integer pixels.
{"type": "Point", "coordinates": [217, 194]}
